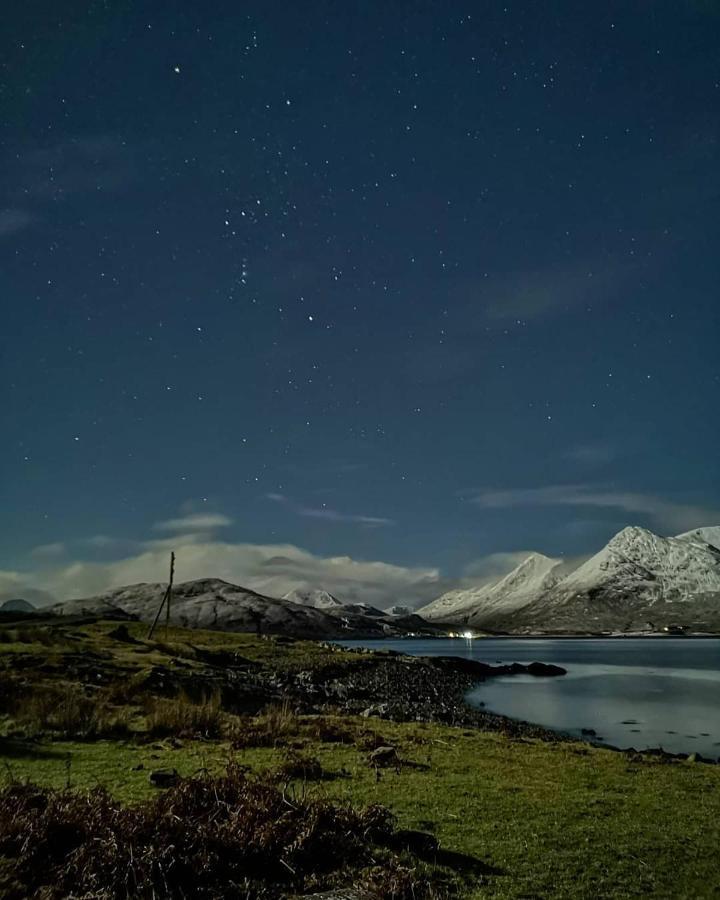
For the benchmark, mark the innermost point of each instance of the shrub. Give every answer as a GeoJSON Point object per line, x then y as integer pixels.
{"type": "Point", "coordinates": [299, 766]}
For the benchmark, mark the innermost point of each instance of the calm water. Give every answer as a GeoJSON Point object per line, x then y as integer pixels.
{"type": "Point", "coordinates": [659, 692]}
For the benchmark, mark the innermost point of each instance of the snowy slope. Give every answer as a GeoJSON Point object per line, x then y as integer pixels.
{"type": "Point", "coordinates": [709, 535]}
{"type": "Point", "coordinates": [637, 562]}
{"type": "Point", "coordinates": [518, 588]}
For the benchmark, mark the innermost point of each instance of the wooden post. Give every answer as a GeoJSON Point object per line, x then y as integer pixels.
{"type": "Point", "coordinates": [169, 594]}
{"type": "Point", "coordinates": [165, 599]}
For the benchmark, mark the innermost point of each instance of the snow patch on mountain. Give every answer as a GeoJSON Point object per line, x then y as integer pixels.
{"type": "Point", "coordinates": [708, 535]}
{"type": "Point", "coordinates": [314, 597]}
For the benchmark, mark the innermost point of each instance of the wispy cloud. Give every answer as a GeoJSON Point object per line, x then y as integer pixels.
{"type": "Point", "coordinates": [555, 288]}
{"type": "Point", "coordinates": [664, 513]}
{"type": "Point", "coordinates": [74, 165]}
{"type": "Point", "coordinates": [330, 515]}
{"type": "Point", "coordinates": [194, 523]}
{"type": "Point", "coordinates": [14, 220]}
{"type": "Point", "coordinates": [49, 551]}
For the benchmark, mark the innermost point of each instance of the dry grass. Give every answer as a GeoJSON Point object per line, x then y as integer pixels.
{"type": "Point", "coordinates": [68, 711]}
{"type": "Point", "coordinates": [280, 725]}
{"type": "Point", "coordinates": [181, 717]}
{"type": "Point", "coordinates": [228, 836]}
{"type": "Point", "coordinates": [300, 767]}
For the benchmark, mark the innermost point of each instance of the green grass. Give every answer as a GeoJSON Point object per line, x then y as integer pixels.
{"type": "Point", "coordinates": [176, 646]}
{"type": "Point", "coordinates": [551, 820]}
{"type": "Point", "coordinates": [554, 820]}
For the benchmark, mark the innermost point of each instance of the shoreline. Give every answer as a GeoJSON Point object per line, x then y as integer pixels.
{"type": "Point", "coordinates": [702, 635]}
{"type": "Point", "coordinates": [454, 708]}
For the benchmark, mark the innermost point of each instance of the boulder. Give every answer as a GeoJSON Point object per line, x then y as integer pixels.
{"type": "Point", "coordinates": [164, 778]}
{"type": "Point", "coordinates": [383, 756]}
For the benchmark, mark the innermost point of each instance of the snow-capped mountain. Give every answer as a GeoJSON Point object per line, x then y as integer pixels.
{"type": "Point", "coordinates": [314, 597]}
{"type": "Point", "coordinates": [638, 581]}
{"type": "Point", "coordinates": [474, 606]}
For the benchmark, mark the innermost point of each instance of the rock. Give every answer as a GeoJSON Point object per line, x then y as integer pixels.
{"type": "Point", "coordinates": [383, 756]}
{"type": "Point", "coordinates": [164, 778]}
{"type": "Point", "coordinates": [545, 669]}
{"type": "Point", "coordinates": [380, 710]}
{"type": "Point", "coordinates": [588, 732]}
{"type": "Point", "coordinates": [418, 842]}
{"type": "Point", "coordinates": [138, 768]}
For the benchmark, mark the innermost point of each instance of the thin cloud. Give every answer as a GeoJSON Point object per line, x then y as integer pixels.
{"type": "Point", "coordinates": [194, 523]}
{"type": "Point", "coordinates": [593, 454]}
{"type": "Point", "coordinates": [333, 515]}
{"type": "Point", "coordinates": [330, 515]}
{"type": "Point", "coordinates": [73, 166]}
{"type": "Point", "coordinates": [664, 513]}
{"type": "Point", "coordinates": [554, 289]}
{"type": "Point", "coordinates": [49, 551]}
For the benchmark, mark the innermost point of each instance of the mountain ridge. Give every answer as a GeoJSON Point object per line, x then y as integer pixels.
{"type": "Point", "coordinates": [213, 603]}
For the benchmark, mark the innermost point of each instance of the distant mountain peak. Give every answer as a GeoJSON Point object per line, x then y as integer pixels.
{"type": "Point", "coordinates": [17, 604]}
{"type": "Point", "coordinates": [638, 576]}
{"type": "Point", "coordinates": [317, 598]}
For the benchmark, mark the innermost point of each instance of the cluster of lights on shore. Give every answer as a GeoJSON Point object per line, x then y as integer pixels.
{"type": "Point", "coordinates": [468, 635]}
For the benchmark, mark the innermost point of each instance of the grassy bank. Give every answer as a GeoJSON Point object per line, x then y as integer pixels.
{"type": "Point", "coordinates": [517, 818]}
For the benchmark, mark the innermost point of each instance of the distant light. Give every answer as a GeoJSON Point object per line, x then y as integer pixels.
{"type": "Point", "coordinates": [468, 635]}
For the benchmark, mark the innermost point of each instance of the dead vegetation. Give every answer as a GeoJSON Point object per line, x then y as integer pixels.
{"type": "Point", "coordinates": [181, 717]}
{"type": "Point", "coordinates": [280, 725]}
{"type": "Point", "coordinates": [66, 710]}
{"type": "Point", "coordinates": [299, 767]}
{"type": "Point", "coordinates": [209, 837]}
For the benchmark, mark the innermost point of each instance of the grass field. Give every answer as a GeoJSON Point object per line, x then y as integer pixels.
{"type": "Point", "coordinates": [543, 819]}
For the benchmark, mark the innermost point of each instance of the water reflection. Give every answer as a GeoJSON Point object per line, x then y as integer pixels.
{"type": "Point", "coordinates": [631, 692]}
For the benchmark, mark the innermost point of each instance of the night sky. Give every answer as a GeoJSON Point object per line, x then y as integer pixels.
{"type": "Point", "coordinates": [298, 289]}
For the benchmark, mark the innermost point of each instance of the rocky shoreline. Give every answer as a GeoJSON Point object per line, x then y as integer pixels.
{"type": "Point", "coordinates": [402, 688]}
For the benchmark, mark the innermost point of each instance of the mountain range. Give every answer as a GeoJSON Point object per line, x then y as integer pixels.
{"type": "Point", "coordinates": [216, 604]}
{"type": "Point", "coordinates": [639, 581]}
